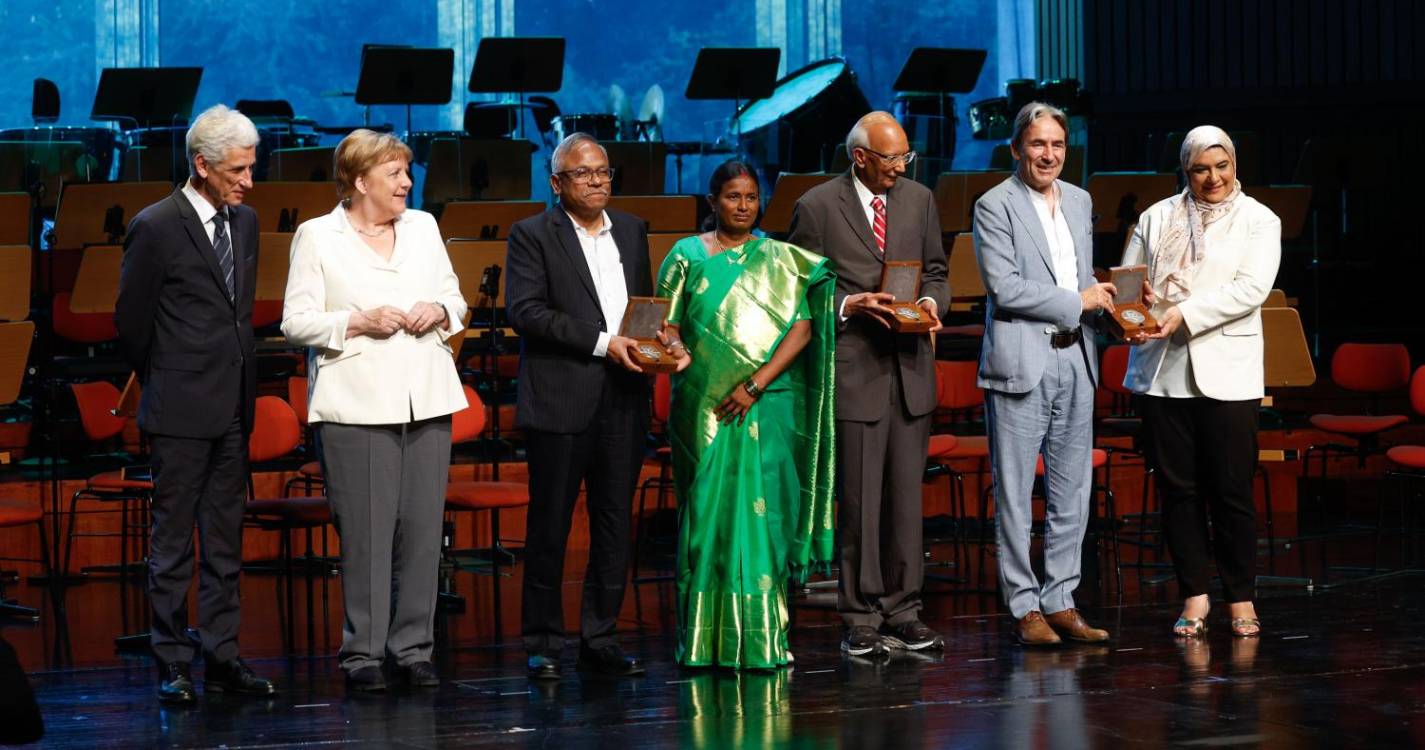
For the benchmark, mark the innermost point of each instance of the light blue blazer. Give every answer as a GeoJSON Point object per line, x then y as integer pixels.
{"type": "Point", "coordinates": [1023, 301]}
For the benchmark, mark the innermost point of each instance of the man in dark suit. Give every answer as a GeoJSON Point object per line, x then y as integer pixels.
{"type": "Point", "coordinates": [582, 401]}
{"type": "Point", "coordinates": [885, 381]}
{"type": "Point", "coordinates": [184, 315]}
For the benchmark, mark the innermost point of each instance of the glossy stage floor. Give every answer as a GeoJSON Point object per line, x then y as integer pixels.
{"type": "Point", "coordinates": [1342, 665]}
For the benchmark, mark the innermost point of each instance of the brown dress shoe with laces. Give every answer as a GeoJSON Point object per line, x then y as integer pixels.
{"type": "Point", "coordinates": [1032, 630]}
{"type": "Point", "coordinates": [1070, 624]}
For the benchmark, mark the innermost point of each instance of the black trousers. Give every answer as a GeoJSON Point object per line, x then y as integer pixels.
{"type": "Point", "coordinates": [880, 516]}
{"type": "Point", "coordinates": [202, 480]}
{"type": "Point", "coordinates": [606, 458]}
{"type": "Point", "coordinates": [1205, 451]}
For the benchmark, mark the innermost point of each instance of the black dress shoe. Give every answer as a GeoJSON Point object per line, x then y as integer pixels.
{"type": "Point", "coordinates": [176, 687]}
{"type": "Point", "coordinates": [544, 667]}
{"type": "Point", "coordinates": [366, 679]}
{"type": "Point", "coordinates": [420, 674]}
{"type": "Point", "coordinates": [608, 660]}
{"type": "Point", "coordinates": [236, 677]}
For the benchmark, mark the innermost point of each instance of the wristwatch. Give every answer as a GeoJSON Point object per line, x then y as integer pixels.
{"type": "Point", "coordinates": [444, 314]}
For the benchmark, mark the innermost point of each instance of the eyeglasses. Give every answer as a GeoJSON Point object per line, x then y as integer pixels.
{"type": "Point", "coordinates": [584, 175]}
{"type": "Point", "coordinates": [898, 160]}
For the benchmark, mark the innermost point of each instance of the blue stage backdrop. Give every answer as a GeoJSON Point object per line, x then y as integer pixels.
{"type": "Point", "coordinates": [309, 53]}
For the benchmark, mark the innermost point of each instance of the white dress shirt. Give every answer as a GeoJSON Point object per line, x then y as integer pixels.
{"type": "Point", "coordinates": [206, 212]}
{"type": "Point", "coordinates": [865, 196]}
{"type": "Point", "coordinates": [366, 379]}
{"type": "Point", "coordinates": [606, 267]}
{"type": "Point", "coordinates": [1061, 240]}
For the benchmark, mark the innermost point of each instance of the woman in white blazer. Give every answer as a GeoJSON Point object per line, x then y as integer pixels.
{"type": "Point", "coordinates": [1212, 254]}
{"type": "Point", "coordinates": [371, 289]}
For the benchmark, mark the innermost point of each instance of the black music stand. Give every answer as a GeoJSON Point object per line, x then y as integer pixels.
{"type": "Point", "coordinates": [146, 97]}
{"type": "Point", "coordinates": [518, 65]}
{"type": "Point", "coordinates": [405, 75]}
{"type": "Point", "coordinates": [942, 71]}
{"type": "Point", "coordinates": [736, 73]}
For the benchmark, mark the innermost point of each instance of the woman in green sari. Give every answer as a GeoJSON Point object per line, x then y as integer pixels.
{"type": "Point", "coordinates": [752, 429]}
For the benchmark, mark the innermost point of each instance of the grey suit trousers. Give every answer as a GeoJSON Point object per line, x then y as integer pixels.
{"type": "Point", "coordinates": [1055, 417]}
{"type": "Point", "coordinates": [386, 485]}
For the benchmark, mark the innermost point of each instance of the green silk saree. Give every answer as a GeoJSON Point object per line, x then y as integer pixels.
{"type": "Point", "coordinates": [755, 499]}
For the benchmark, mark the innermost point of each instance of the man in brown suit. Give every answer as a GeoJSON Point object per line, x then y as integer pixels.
{"type": "Point", "coordinates": [885, 381]}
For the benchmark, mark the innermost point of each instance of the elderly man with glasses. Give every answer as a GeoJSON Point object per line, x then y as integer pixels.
{"type": "Point", "coordinates": [885, 381]}
{"type": "Point", "coordinates": [582, 401]}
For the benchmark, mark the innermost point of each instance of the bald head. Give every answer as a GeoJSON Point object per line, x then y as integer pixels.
{"type": "Point", "coordinates": [878, 149]}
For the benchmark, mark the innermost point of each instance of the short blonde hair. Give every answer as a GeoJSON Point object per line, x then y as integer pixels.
{"type": "Point", "coordinates": [361, 150]}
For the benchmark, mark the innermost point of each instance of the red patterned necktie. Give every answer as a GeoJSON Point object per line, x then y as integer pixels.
{"type": "Point", "coordinates": [878, 227]}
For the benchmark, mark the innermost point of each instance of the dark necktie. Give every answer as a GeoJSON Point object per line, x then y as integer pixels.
{"type": "Point", "coordinates": [223, 247]}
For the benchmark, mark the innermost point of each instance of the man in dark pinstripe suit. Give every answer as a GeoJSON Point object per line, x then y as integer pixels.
{"type": "Point", "coordinates": [582, 401]}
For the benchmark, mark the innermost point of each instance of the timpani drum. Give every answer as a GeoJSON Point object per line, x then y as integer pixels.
{"type": "Point", "coordinates": [807, 117]}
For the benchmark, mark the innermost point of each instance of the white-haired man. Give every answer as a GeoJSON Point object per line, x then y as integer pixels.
{"type": "Point", "coordinates": [184, 315]}
{"type": "Point", "coordinates": [885, 381]}
{"type": "Point", "coordinates": [582, 402]}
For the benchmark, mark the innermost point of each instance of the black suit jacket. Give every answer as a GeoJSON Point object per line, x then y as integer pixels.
{"type": "Point", "coordinates": [191, 346]}
{"type": "Point", "coordinates": [829, 220]}
{"type": "Point", "coordinates": [552, 304]}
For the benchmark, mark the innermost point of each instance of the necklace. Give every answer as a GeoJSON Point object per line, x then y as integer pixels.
{"type": "Point", "coordinates": [384, 229]}
{"type": "Point", "coordinates": [364, 233]}
{"type": "Point", "coordinates": [717, 238]}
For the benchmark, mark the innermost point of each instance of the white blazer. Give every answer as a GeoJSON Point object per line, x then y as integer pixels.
{"type": "Point", "coordinates": [365, 380]}
{"type": "Point", "coordinates": [1223, 316]}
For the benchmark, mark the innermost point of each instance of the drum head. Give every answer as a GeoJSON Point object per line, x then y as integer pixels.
{"type": "Point", "coordinates": [791, 94]}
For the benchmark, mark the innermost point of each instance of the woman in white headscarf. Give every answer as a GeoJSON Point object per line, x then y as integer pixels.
{"type": "Point", "coordinates": [1212, 254]}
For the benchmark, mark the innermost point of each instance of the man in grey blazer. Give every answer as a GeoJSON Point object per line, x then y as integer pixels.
{"type": "Point", "coordinates": [1039, 366]}
{"type": "Point", "coordinates": [885, 382]}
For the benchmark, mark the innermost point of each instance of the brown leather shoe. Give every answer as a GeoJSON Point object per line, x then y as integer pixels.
{"type": "Point", "coordinates": [1070, 624]}
{"type": "Point", "coordinates": [1032, 630]}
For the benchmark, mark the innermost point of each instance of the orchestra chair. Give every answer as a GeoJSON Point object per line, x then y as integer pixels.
{"type": "Point", "coordinates": [16, 513]}
{"type": "Point", "coordinates": [1122, 422]}
{"type": "Point", "coordinates": [485, 220]}
{"type": "Point", "coordinates": [662, 213]}
{"type": "Point", "coordinates": [15, 219]}
{"type": "Point", "coordinates": [659, 245]}
{"type": "Point", "coordinates": [958, 396]}
{"type": "Point", "coordinates": [662, 457]}
{"type": "Point", "coordinates": [1407, 470]}
{"type": "Point", "coordinates": [131, 487]}
{"type": "Point", "coordinates": [81, 327]}
{"type": "Point", "coordinates": [477, 496]}
{"type": "Point", "coordinates": [15, 341]}
{"type": "Point", "coordinates": [276, 433]}
{"type": "Point", "coordinates": [15, 275]}
{"type": "Point", "coordinates": [1373, 369]}
{"type": "Point", "coordinates": [309, 474]}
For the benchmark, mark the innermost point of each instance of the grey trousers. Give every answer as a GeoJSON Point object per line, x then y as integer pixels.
{"type": "Point", "coordinates": [1056, 417]}
{"type": "Point", "coordinates": [386, 485]}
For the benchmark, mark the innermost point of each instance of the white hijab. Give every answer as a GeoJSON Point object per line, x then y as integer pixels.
{"type": "Point", "coordinates": [1182, 245]}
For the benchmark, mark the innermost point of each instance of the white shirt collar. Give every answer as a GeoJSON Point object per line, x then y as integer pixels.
{"type": "Point", "coordinates": [863, 193]}
{"type": "Point", "coordinates": [1039, 198]}
{"type": "Point", "coordinates": [205, 210]}
{"type": "Point", "coordinates": [606, 225]}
